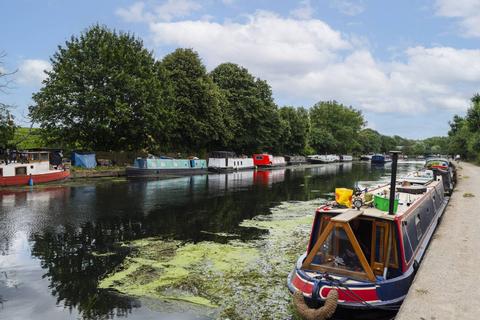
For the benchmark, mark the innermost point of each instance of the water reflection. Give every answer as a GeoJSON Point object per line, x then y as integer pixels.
{"type": "Point", "coordinates": [57, 243]}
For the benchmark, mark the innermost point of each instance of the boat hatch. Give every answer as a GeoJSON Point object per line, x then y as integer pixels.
{"type": "Point", "coordinates": [353, 245]}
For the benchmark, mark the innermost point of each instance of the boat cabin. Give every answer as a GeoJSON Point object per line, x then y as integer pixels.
{"type": "Point", "coordinates": [368, 243]}
{"type": "Point", "coordinates": [25, 164]}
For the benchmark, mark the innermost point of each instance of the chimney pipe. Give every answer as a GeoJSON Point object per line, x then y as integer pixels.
{"type": "Point", "coordinates": [393, 181]}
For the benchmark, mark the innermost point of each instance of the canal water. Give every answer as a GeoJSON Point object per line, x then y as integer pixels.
{"type": "Point", "coordinates": [201, 247]}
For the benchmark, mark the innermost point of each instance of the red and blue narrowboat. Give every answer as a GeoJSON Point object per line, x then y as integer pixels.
{"type": "Point", "coordinates": [370, 249]}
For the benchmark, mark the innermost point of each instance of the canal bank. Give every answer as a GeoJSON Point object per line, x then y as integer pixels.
{"type": "Point", "coordinates": [445, 286]}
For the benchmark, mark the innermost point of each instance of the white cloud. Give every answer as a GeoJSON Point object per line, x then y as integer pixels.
{"type": "Point", "coordinates": [304, 11]}
{"type": "Point", "coordinates": [351, 8]}
{"type": "Point", "coordinates": [167, 11]}
{"type": "Point", "coordinates": [466, 11]}
{"type": "Point", "coordinates": [32, 71]}
{"type": "Point", "coordinates": [305, 61]}
{"type": "Point", "coordinates": [308, 60]}
{"type": "Point", "coordinates": [134, 13]}
{"type": "Point", "coordinates": [266, 42]}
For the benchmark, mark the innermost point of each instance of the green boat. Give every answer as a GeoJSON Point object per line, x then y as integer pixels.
{"type": "Point", "coordinates": [158, 167]}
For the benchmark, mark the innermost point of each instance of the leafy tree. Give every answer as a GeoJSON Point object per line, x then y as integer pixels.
{"type": "Point", "coordinates": [370, 140]}
{"type": "Point", "coordinates": [388, 144]}
{"type": "Point", "coordinates": [473, 114]}
{"type": "Point", "coordinates": [335, 127]}
{"type": "Point", "coordinates": [7, 125]}
{"type": "Point", "coordinates": [200, 119]}
{"type": "Point", "coordinates": [297, 125]}
{"type": "Point", "coordinates": [256, 123]}
{"type": "Point", "coordinates": [102, 93]}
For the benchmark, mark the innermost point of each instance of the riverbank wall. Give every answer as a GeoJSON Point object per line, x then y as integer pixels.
{"type": "Point", "coordinates": [95, 173]}
{"type": "Point", "coordinates": [445, 287]}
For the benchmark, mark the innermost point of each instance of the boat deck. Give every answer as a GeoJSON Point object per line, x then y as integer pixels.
{"type": "Point", "coordinates": [406, 201]}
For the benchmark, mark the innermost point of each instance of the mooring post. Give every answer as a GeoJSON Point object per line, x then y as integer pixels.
{"type": "Point", "coordinates": [393, 181]}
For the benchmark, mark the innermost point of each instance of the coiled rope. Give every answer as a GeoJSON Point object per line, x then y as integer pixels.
{"type": "Point", "coordinates": [307, 313]}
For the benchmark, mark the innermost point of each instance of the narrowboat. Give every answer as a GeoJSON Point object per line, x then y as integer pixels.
{"type": "Point", "coordinates": [265, 160]}
{"type": "Point", "coordinates": [369, 248]}
{"type": "Point", "coordinates": [380, 159]}
{"type": "Point", "coordinates": [366, 157]}
{"type": "Point", "coordinates": [162, 166]}
{"type": "Point", "coordinates": [445, 168]}
{"type": "Point", "coordinates": [226, 161]}
{"type": "Point", "coordinates": [295, 160]}
{"type": "Point", "coordinates": [30, 168]}
{"type": "Point", "coordinates": [328, 158]}
{"type": "Point", "coordinates": [346, 158]}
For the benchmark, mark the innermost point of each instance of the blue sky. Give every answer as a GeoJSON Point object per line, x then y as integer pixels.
{"type": "Point", "coordinates": [408, 65]}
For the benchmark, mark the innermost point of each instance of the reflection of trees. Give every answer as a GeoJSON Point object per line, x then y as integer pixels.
{"type": "Point", "coordinates": [74, 270]}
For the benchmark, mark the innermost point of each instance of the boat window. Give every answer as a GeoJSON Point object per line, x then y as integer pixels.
{"type": "Point", "coordinates": [21, 171]}
{"type": "Point", "coordinates": [259, 157]}
{"type": "Point", "coordinates": [418, 227]}
{"type": "Point", "coordinates": [362, 229]}
{"type": "Point", "coordinates": [44, 156]}
{"type": "Point", "coordinates": [379, 243]}
{"type": "Point", "coordinates": [1, 172]}
{"type": "Point", "coordinates": [337, 251]}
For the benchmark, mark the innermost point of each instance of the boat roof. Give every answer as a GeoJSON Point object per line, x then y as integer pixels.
{"type": "Point", "coordinates": [406, 201]}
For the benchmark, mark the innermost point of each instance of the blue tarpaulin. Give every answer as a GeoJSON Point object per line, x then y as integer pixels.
{"type": "Point", "coordinates": [84, 159]}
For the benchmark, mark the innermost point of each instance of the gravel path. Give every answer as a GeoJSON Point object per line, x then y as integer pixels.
{"type": "Point", "coordinates": [447, 285]}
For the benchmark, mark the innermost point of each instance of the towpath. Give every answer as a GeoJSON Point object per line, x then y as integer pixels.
{"type": "Point", "coordinates": [447, 285]}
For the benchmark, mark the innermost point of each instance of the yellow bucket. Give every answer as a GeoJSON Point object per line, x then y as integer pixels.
{"type": "Point", "coordinates": [343, 196]}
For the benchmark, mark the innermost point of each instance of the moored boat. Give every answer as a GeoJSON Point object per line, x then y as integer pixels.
{"type": "Point", "coordinates": [366, 157]}
{"type": "Point", "coordinates": [157, 167]}
{"type": "Point", "coordinates": [226, 161]}
{"type": "Point", "coordinates": [346, 158]}
{"type": "Point", "coordinates": [380, 158]}
{"type": "Point", "coordinates": [265, 160]}
{"type": "Point", "coordinates": [370, 248]}
{"type": "Point", "coordinates": [327, 158]}
{"type": "Point", "coordinates": [30, 168]}
{"type": "Point", "coordinates": [295, 160]}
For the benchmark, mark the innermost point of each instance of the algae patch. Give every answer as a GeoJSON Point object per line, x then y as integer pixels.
{"type": "Point", "coordinates": [235, 280]}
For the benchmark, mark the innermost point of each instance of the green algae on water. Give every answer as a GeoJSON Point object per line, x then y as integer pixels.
{"type": "Point", "coordinates": [234, 280]}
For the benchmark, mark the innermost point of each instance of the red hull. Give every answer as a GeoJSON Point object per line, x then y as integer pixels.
{"type": "Point", "coordinates": [37, 178]}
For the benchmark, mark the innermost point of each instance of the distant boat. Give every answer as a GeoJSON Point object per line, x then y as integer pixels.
{"type": "Point", "coordinates": [265, 160]}
{"type": "Point", "coordinates": [293, 160]}
{"type": "Point", "coordinates": [30, 168]}
{"type": "Point", "coordinates": [226, 161]}
{"type": "Point", "coordinates": [346, 158]}
{"type": "Point", "coordinates": [366, 157]}
{"type": "Point", "coordinates": [157, 167]}
{"type": "Point", "coordinates": [380, 158]}
{"type": "Point", "coordinates": [329, 158]}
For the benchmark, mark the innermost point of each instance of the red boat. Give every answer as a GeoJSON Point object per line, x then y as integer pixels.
{"type": "Point", "coordinates": [30, 165]}
{"type": "Point", "coordinates": [265, 160]}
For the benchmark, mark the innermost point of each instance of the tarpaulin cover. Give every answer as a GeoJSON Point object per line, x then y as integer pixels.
{"type": "Point", "coordinates": [84, 160]}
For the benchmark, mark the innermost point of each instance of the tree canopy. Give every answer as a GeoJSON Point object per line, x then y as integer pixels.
{"type": "Point", "coordinates": [335, 127]}
{"type": "Point", "coordinates": [7, 124]}
{"type": "Point", "coordinates": [102, 93]}
{"type": "Point", "coordinates": [464, 134]}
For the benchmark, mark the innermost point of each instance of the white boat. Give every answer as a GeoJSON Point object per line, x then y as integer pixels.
{"type": "Point", "coordinates": [321, 158]}
{"type": "Point", "coordinates": [224, 161]}
{"type": "Point", "coordinates": [346, 158]}
{"type": "Point", "coordinates": [29, 168]}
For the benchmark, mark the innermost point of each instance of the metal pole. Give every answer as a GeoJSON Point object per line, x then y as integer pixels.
{"type": "Point", "coordinates": [393, 181]}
